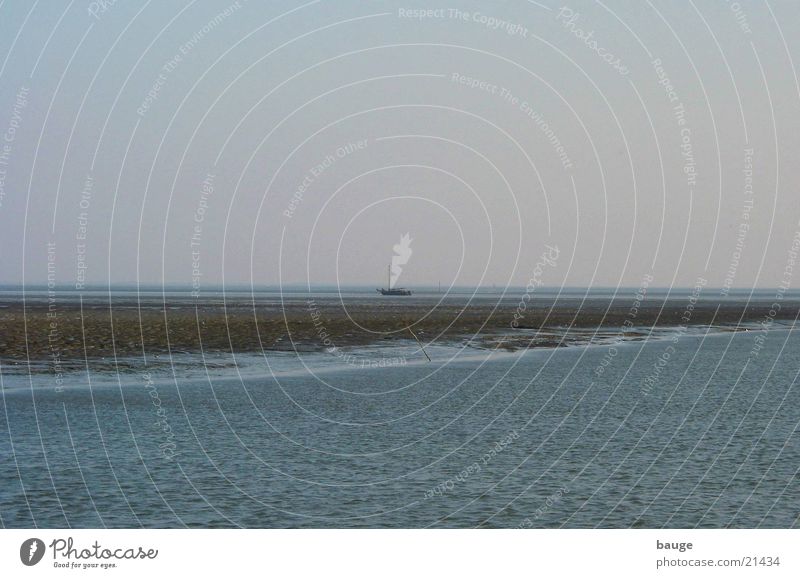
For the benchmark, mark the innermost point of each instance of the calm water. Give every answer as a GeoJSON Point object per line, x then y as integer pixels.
{"type": "Point", "coordinates": [545, 297]}
{"type": "Point", "coordinates": [707, 437]}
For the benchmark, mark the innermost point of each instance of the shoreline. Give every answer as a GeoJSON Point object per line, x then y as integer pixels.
{"type": "Point", "coordinates": [189, 367]}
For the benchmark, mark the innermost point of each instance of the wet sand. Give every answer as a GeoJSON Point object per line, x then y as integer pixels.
{"type": "Point", "coordinates": [39, 332]}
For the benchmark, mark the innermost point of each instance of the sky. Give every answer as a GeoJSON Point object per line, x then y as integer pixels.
{"type": "Point", "coordinates": [273, 143]}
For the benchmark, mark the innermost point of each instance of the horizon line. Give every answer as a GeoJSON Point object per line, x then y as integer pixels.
{"type": "Point", "coordinates": [329, 286]}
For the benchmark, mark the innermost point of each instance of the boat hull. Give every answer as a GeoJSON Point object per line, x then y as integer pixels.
{"type": "Point", "coordinates": [395, 292]}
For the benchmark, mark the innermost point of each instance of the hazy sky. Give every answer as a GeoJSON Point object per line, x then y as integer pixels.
{"type": "Point", "coordinates": [267, 142]}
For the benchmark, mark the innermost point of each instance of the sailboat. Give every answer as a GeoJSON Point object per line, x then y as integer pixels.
{"type": "Point", "coordinates": [399, 291]}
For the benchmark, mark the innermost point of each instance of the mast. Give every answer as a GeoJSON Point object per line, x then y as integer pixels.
{"type": "Point", "coordinates": [389, 277]}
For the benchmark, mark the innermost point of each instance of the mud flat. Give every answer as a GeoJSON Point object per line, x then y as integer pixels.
{"type": "Point", "coordinates": [37, 332]}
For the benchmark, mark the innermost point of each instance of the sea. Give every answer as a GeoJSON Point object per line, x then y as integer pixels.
{"type": "Point", "coordinates": [681, 429]}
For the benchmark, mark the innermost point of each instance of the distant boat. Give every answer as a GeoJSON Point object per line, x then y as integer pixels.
{"type": "Point", "coordinates": [398, 291]}
{"type": "Point", "coordinates": [394, 291]}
